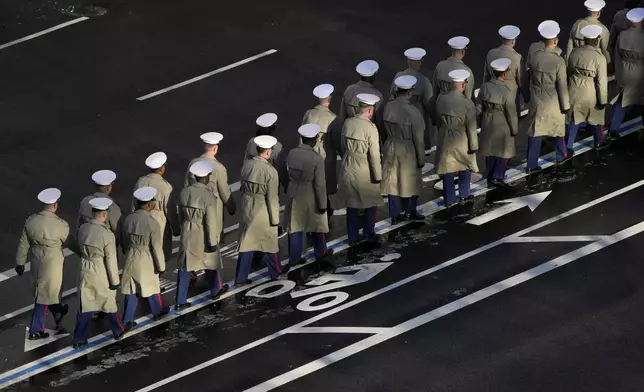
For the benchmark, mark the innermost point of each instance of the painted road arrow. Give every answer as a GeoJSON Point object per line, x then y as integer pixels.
{"type": "Point", "coordinates": [511, 205]}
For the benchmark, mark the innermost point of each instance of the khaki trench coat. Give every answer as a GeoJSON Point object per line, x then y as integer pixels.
{"type": "Point", "coordinates": [260, 206]}
{"type": "Point", "coordinates": [349, 106]}
{"type": "Point", "coordinates": [98, 268]}
{"type": "Point", "coordinates": [456, 134]}
{"type": "Point", "coordinates": [275, 159]}
{"type": "Point", "coordinates": [620, 23]}
{"type": "Point", "coordinates": [41, 244]}
{"type": "Point", "coordinates": [306, 191]}
{"type": "Point", "coordinates": [144, 258]}
{"type": "Point", "coordinates": [218, 185]}
{"type": "Point", "coordinates": [442, 83]}
{"type": "Point", "coordinates": [165, 208]}
{"type": "Point", "coordinates": [360, 170]}
{"type": "Point", "coordinates": [200, 229]}
{"type": "Point", "coordinates": [404, 149]}
{"type": "Point", "coordinates": [548, 94]}
{"type": "Point", "coordinates": [499, 121]}
{"type": "Point", "coordinates": [535, 47]}
{"type": "Point", "coordinates": [587, 85]}
{"type": "Point", "coordinates": [629, 67]}
{"type": "Point", "coordinates": [423, 99]}
{"type": "Point", "coordinates": [328, 123]}
{"type": "Point", "coordinates": [514, 74]}
{"type": "Point", "coordinates": [114, 213]}
{"type": "Point", "coordinates": [576, 40]}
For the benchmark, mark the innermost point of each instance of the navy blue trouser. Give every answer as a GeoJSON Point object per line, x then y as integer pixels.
{"type": "Point", "coordinates": [38, 316]}
{"type": "Point", "coordinates": [408, 204]}
{"type": "Point", "coordinates": [296, 243]}
{"type": "Point", "coordinates": [619, 112]}
{"type": "Point", "coordinates": [183, 282]}
{"type": "Point", "coordinates": [245, 260]}
{"type": "Point", "coordinates": [368, 227]}
{"type": "Point", "coordinates": [154, 302]}
{"type": "Point", "coordinates": [573, 129]}
{"type": "Point", "coordinates": [83, 321]}
{"type": "Point", "coordinates": [534, 150]}
{"type": "Point", "coordinates": [449, 189]}
{"type": "Point", "coordinates": [495, 168]}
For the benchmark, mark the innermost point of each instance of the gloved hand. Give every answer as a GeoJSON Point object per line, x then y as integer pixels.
{"type": "Point", "coordinates": [565, 111]}
{"type": "Point", "coordinates": [321, 211]}
{"type": "Point", "coordinates": [471, 151]}
{"type": "Point", "coordinates": [114, 286]}
{"type": "Point", "coordinates": [212, 249]}
{"type": "Point", "coordinates": [231, 207]}
{"type": "Point", "coordinates": [420, 166]}
{"type": "Point", "coordinates": [513, 134]}
{"type": "Point", "coordinates": [161, 273]}
{"type": "Point", "coordinates": [601, 106]}
{"type": "Point", "coordinates": [375, 182]}
{"type": "Point", "coordinates": [20, 269]}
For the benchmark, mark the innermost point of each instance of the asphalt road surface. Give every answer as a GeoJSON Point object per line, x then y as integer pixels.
{"type": "Point", "coordinates": [529, 301]}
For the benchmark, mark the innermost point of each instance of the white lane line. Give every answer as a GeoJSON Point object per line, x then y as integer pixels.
{"type": "Point", "coordinates": [369, 330]}
{"type": "Point", "coordinates": [38, 34]}
{"type": "Point", "coordinates": [386, 289]}
{"type": "Point", "coordinates": [207, 75]}
{"type": "Point", "coordinates": [562, 238]}
{"type": "Point", "coordinates": [445, 310]}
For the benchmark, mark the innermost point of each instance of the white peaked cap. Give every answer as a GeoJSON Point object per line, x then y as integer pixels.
{"type": "Point", "coordinates": [509, 32]}
{"type": "Point", "coordinates": [265, 141]}
{"type": "Point", "coordinates": [549, 29]}
{"type": "Point", "coordinates": [591, 31]}
{"type": "Point", "coordinates": [144, 194]}
{"type": "Point", "coordinates": [104, 177]}
{"type": "Point", "coordinates": [415, 53]}
{"type": "Point", "coordinates": [49, 195]}
{"type": "Point", "coordinates": [405, 82]}
{"type": "Point", "coordinates": [101, 203]}
{"type": "Point", "coordinates": [201, 168]}
{"type": "Point", "coordinates": [266, 120]}
{"type": "Point", "coordinates": [367, 68]}
{"type": "Point", "coordinates": [309, 130]}
{"type": "Point", "coordinates": [595, 5]}
{"type": "Point", "coordinates": [635, 15]}
{"type": "Point", "coordinates": [368, 99]}
{"type": "Point", "coordinates": [501, 64]}
{"type": "Point", "coordinates": [459, 75]}
{"type": "Point", "coordinates": [212, 137]}
{"type": "Point", "coordinates": [156, 160]}
{"type": "Point", "coordinates": [323, 91]}
{"type": "Point", "coordinates": [458, 42]}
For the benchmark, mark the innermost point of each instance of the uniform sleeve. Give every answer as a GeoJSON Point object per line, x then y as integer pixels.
{"type": "Point", "coordinates": [487, 76]}
{"type": "Point", "coordinates": [343, 142]}
{"type": "Point", "coordinates": [172, 213]}
{"type": "Point", "coordinates": [562, 86]}
{"type": "Point", "coordinates": [156, 246]}
{"type": "Point", "coordinates": [571, 39]}
{"type": "Point", "coordinates": [23, 248]}
{"type": "Point", "coordinates": [373, 156]}
{"type": "Point", "coordinates": [520, 74]}
{"type": "Point", "coordinates": [469, 89]}
{"type": "Point", "coordinates": [601, 82]}
{"type": "Point", "coordinates": [213, 222]}
{"type": "Point", "coordinates": [479, 103]}
{"type": "Point", "coordinates": [114, 216]}
{"type": "Point", "coordinates": [70, 242]}
{"type": "Point", "coordinates": [612, 40]}
{"type": "Point", "coordinates": [319, 184]}
{"type": "Point", "coordinates": [605, 37]}
{"type": "Point", "coordinates": [472, 135]}
{"type": "Point", "coordinates": [511, 113]}
{"type": "Point", "coordinates": [111, 265]}
{"type": "Point", "coordinates": [272, 200]}
{"type": "Point", "coordinates": [189, 179]}
{"type": "Point", "coordinates": [428, 102]}
{"type": "Point", "coordinates": [418, 138]}
{"type": "Point", "coordinates": [343, 109]}
{"type": "Point", "coordinates": [224, 190]}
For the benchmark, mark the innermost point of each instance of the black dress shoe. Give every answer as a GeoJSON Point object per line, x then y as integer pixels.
{"type": "Point", "coordinates": [80, 344]}
{"type": "Point", "coordinates": [500, 184]}
{"type": "Point", "coordinates": [302, 261]}
{"type": "Point", "coordinates": [537, 169]}
{"type": "Point", "coordinates": [467, 200]}
{"type": "Point", "coordinates": [603, 144]}
{"type": "Point", "coordinates": [38, 335]}
{"type": "Point", "coordinates": [285, 269]}
{"type": "Point", "coordinates": [162, 312]}
{"type": "Point", "coordinates": [613, 135]}
{"type": "Point", "coordinates": [223, 289]}
{"type": "Point", "coordinates": [374, 239]}
{"type": "Point", "coordinates": [570, 153]}
{"type": "Point", "coordinates": [398, 219]}
{"type": "Point", "coordinates": [244, 283]}
{"type": "Point", "coordinates": [129, 325]}
{"type": "Point", "coordinates": [180, 307]}
{"type": "Point", "coordinates": [416, 217]}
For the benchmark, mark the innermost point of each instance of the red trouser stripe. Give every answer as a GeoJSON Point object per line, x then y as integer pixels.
{"type": "Point", "coordinates": [277, 264]}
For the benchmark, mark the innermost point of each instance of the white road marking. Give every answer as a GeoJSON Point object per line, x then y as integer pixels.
{"type": "Point", "coordinates": [33, 344]}
{"type": "Point", "coordinates": [445, 310]}
{"type": "Point", "coordinates": [531, 201]}
{"type": "Point", "coordinates": [369, 330]}
{"type": "Point", "coordinates": [561, 238]}
{"type": "Point", "coordinates": [384, 290]}
{"type": "Point", "coordinates": [40, 33]}
{"type": "Point", "coordinates": [207, 75]}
